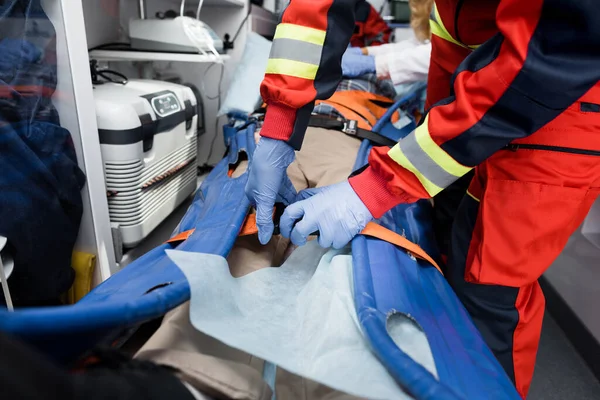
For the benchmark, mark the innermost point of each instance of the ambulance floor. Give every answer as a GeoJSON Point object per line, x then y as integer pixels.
{"type": "Point", "coordinates": [560, 371]}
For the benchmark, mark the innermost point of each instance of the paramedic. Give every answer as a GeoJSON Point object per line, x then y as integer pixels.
{"type": "Point", "coordinates": [370, 29]}
{"type": "Point", "coordinates": [513, 93]}
{"type": "Point", "coordinates": [404, 62]}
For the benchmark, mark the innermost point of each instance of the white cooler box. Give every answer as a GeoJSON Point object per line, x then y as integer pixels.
{"type": "Point", "coordinates": [148, 139]}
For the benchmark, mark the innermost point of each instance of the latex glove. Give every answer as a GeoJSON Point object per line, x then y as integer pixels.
{"type": "Point", "coordinates": [354, 65]}
{"type": "Point", "coordinates": [335, 211]}
{"type": "Point", "coordinates": [354, 50]}
{"type": "Point", "coordinates": [268, 180]}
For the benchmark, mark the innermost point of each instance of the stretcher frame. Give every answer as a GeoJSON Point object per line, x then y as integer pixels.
{"type": "Point", "coordinates": [387, 279]}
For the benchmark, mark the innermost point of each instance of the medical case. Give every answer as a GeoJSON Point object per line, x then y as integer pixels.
{"type": "Point", "coordinates": [148, 139]}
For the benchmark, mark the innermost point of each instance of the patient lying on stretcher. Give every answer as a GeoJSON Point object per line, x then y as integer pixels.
{"type": "Point", "coordinates": [327, 156]}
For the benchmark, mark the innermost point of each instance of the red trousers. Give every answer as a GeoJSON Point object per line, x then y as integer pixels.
{"type": "Point", "coordinates": [516, 217]}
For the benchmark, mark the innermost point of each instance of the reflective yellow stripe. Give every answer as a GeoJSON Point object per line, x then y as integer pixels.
{"type": "Point", "coordinates": [473, 197]}
{"type": "Point", "coordinates": [296, 51]}
{"type": "Point", "coordinates": [419, 154]}
{"type": "Point", "coordinates": [397, 155]}
{"type": "Point", "coordinates": [298, 69]}
{"type": "Point", "coordinates": [438, 29]}
{"type": "Point", "coordinates": [436, 153]}
{"type": "Point", "coordinates": [299, 32]}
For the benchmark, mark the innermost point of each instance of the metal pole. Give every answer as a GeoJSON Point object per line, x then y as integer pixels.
{"type": "Point", "coordinates": [3, 277]}
{"type": "Point", "coordinates": [142, 9]}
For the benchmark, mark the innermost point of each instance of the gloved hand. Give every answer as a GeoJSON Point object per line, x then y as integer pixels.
{"type": "Point", "coordinates": [354, 50]}
{"type": "Point", "coordinates": [335, 211]}
{"type": "Point", "coordinates": [354, 65]}
{"type": "Point", "coordinates": [267, 179]}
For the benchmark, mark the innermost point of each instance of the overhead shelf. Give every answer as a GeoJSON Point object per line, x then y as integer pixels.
{"type": "Point", "coordinates": [128, 55]}
{"type": "Point", "coordinates": [212, 3]}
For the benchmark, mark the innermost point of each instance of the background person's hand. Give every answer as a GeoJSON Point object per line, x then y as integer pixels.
{"type": "Point", "coordinates": [268, 180]}
{"type": "Point", "coordinates": [335, 211]}
{"type": "Point", "coordinates": [356, 64]}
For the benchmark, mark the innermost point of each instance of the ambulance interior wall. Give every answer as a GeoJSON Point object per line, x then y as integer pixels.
{"type": "Point", "coordinates": [107, 22]}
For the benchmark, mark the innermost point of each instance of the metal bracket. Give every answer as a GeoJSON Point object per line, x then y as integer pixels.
{"type": "Point", "coordinates": [350, 127]}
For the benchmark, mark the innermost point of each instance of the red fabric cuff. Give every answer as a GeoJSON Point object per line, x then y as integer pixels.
{"type": "Point", "coordinates": [373, 191]}
{"type": "Point", "coordinates": [279, 121]}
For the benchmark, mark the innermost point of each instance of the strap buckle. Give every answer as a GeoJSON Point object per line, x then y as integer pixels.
{"type": "Point", "coordinates": [350, 127]}
{"type": "Point", "coordinates": [277, 213]}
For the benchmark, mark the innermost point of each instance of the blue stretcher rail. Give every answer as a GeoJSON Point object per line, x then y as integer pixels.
{"type": "Point", "coordinates": [151, 285]}
{"type": "Point", "coordinates": [387, 280]}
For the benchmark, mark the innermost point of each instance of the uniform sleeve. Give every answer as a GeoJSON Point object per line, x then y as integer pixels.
{"type": "Point", "coordinates": [544, 58]}
{"type": "Point", "coordinates": [304, 64]}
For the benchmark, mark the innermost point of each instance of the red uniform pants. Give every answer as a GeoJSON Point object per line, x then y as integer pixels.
{"type": "Point", "coordinates": [516, 217]}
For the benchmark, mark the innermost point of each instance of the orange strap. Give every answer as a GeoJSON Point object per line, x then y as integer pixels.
{"type": "Point", "coordinates": [377, 231]}
{"type": "Point", "coordinates": [368, 105]}
{"type": "Point", "coordinates": [248, 228]}
{"type": "Point", "coordinates": [366, 120]}
{"type": "Point", "coordinates": [25, 90]}
{"type": "Point", "coordinates": [181, 237]}
{"type": "Point", "coordinates": [372, 229]}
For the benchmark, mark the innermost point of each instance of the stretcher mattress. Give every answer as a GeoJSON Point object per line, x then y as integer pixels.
{"type": "Point", "coordinates": [387, 280]}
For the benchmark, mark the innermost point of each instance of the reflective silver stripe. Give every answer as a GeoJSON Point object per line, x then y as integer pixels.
{"type": "Point", "coordinates": [296, 50]}
{"type": "Point", "coordinates": [424, 164]}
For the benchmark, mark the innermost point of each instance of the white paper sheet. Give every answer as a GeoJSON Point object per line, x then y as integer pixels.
{"type": "Point", "coordinates": [298, 316]}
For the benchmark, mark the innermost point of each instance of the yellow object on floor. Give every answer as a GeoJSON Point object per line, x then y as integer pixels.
{"type": "Point", "coordinates": [83, 264]}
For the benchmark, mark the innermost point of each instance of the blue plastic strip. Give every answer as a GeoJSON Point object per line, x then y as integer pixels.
{"type": "Point", "coordinates": [270, 376]}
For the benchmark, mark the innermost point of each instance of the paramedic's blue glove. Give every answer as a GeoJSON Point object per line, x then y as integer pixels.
{"type": "Point", "coordinates": [268, 182]}
{"type": "Point", "coordinates": [335, 211]}
{"type": "Point", "coordinates": [354, 65]}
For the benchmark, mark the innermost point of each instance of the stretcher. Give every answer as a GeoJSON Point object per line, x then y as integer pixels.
{"type": "Point", "coordinates": [387, 279]}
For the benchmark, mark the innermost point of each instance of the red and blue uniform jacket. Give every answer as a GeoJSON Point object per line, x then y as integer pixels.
{"type": "Point", "coordinates": [369, 28]}
{"type": "Point", "coordinates": [525, 63]}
